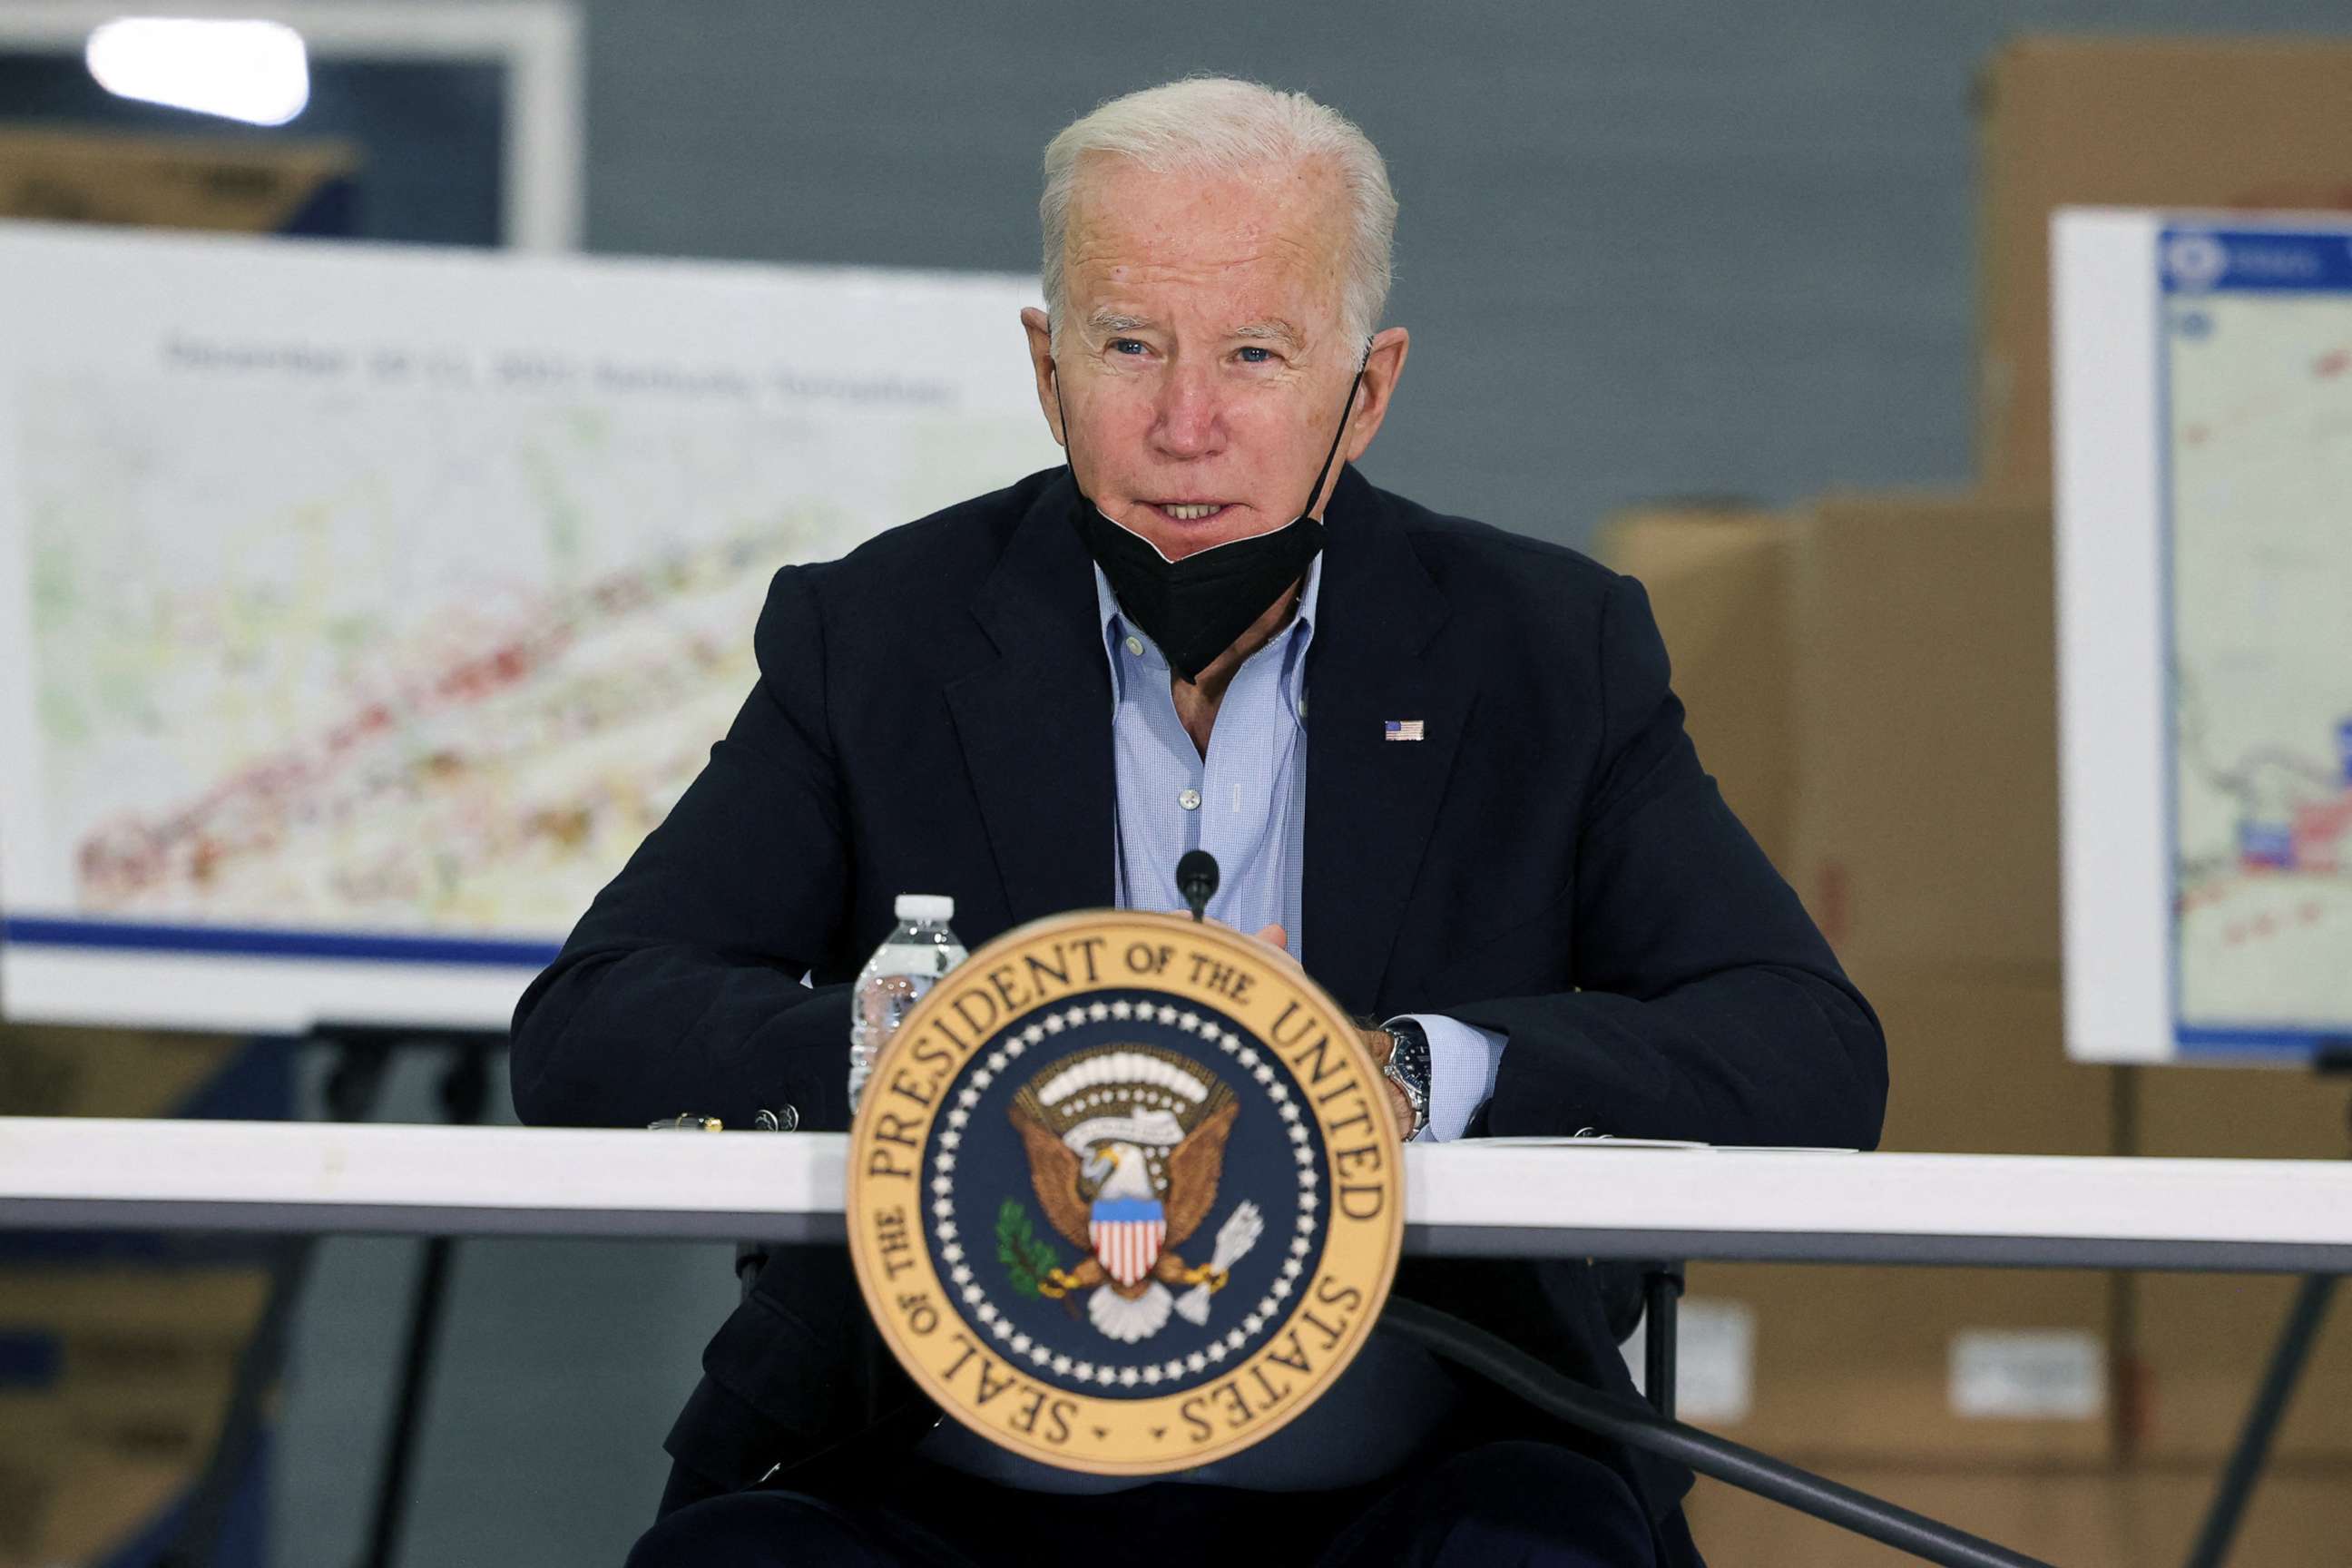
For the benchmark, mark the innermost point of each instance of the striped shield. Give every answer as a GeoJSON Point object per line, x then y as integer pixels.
{"type": "Point", "coordinates": [1127, 1234]}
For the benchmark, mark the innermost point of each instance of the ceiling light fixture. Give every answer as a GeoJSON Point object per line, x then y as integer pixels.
{"type": "Point", "coordinates": [250, 70]}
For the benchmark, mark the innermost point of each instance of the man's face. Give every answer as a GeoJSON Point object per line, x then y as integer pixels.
{"type": "Point", "coordinates": [1202, 367]}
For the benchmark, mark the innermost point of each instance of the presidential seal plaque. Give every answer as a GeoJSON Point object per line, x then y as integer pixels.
{"type": "Point", "coordinates": [1126, 1192]}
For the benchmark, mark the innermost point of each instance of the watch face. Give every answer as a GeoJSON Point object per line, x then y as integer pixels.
{"type": "Point", "coordinates": [1408, 1067]}
{"type": "Point", "coordinates": [1410, 1060]}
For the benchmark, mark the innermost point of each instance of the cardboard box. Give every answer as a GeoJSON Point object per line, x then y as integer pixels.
{"type": "Point", "coordinates": [1926, 821]}
{"type": "Point", "coordinates": [113, 1385]}
{"type": "Point", "coordinates": [2179, 123]}
{"type": "Point", "coordinates": [71, 1504]}
{"type": "Point", "coordinates": [2299, 1518]}
{"type": "Point", "coordinates": [1915, 1365]}
{"type": "Point", "coordinates": [2201, 1341]}
{"type": "Point", "coordinates": [1718, 581]}
{"type": "Point", "coordinates": [1918, 754]}
{"type": "Point", "coordinates": [192, 183]}
{"type": "Point", "coordinates": [119, 1349]}
{"type": "Point", "coordinates": [138, 1357]}
{"type": "Point", "coordinates": [51, 1070]}
{"type": "Point", "coordinates": [1871, 680]}
{"type": "Point", "coordinates": [1925, 1365]}
{"type": "Point", "coordinates": [1976, 1063]}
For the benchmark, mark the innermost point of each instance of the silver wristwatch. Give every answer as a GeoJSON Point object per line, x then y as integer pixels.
{"type": "Point", "coordinates": [1408, 1068]}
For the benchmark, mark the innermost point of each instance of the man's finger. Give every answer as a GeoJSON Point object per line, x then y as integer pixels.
{"type": "Point", "coordinates": [1382, 1045]}
{"type": "Point", "coordinates": [1401, 1105]}
{"type": "Point", "coordinates": [1273, 936]}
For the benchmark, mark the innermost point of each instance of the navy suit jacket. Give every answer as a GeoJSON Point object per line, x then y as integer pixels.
{"type": "Point", "coordinates": [933, 715]}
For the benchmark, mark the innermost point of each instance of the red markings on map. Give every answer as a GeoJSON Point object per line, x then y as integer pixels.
{"type": "Point", "coordinates": [2304, 830]}
{"type": "Point", "coordinates": [2237, 932]}
{"type": "Point", "coordinates": [2319, 832]}
{"type": "Point", "coordinates": [2261, 407]}
{"type": "Point", "coordinates": [506, 743]}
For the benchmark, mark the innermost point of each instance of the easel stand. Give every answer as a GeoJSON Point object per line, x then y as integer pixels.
{"type": "Point", "coordinates": [2277, 1390]}
{"type": "Point", "coordinates": [362, 1056]}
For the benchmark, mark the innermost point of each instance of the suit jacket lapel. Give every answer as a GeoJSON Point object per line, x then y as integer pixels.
{"type": "Point", "coordinates": [1036, 725]}
{"type": "Point", "coordinates": [1381, 651]}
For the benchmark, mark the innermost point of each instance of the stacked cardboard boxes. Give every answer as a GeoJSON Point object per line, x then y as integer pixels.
{"type": "Point", "coordinates": [113, 1383]}
{"type": "Point", "coordinates": [1941, 1367]}
{"type": "Point", "coordinates": [1718, 575]}
{"type": "Point", "coordinates": [1872, 676]}
{"type": "Point", "coordinates": [2184, 123]}
{"type": "Point", "coordinates": [2076, 1414]}
{"type": "Point", "coordinates": [2200, 1340]}
{"type": "Point", "coordinates": [2252, 123]}
{"type": "Point", "coordinates": [1927, 713]}
{"type": "Point", "coordinates": [184, 183]}
{"type": "Point", "coordinates": [2079, 1518]}
{"type": "Point", "coordinates": [1872, 679]}
{"type": "Point", "coordinates": [1899, 650]}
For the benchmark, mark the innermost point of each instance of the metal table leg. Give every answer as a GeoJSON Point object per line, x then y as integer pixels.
{"type": "Point", "coordinates": [1661, 1293]}
{"type": "Point", "coordinates": [2253, 1446]}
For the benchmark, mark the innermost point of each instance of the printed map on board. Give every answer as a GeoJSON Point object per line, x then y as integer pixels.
{"type": "Point", "coordinates": [400, 594]}
{"type": "Point", "coordinates": [440, 662]}
{"type": "Point", "coordinates": [2258, 361]}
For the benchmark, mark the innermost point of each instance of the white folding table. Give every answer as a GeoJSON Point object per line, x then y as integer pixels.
{"type": "Point", "coordinates": [1588, 1198]}
{"type": "Point", "coordinates": [1535, 1198]}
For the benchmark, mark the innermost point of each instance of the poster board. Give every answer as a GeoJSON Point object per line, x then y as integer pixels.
{"type": "Point", "coordinates": [2204, 552]}
{"type": "Point", "coordinates": [361, 608]}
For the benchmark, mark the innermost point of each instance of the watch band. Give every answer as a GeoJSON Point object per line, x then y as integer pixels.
{"type": "Point", "coordinates": [1408, 1068]}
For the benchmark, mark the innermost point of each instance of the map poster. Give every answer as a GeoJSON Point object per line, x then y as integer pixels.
{"type": "Point", "coordinates": [361, 608]}
{"type": "Point", "coordinates": [2255, 377]}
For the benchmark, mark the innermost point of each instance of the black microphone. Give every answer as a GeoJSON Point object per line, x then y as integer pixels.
{"type": "Point", "coordinates": [1196, 879]}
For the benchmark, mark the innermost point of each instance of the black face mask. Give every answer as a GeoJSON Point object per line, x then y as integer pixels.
{"type": "Point", "coordinates": [1194, 608]}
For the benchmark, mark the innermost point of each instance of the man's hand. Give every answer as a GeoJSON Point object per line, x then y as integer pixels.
{"type": "Point", "coordinates": [1273, 936]}
{"type": "Point", "coordinates": [1382, 1045]}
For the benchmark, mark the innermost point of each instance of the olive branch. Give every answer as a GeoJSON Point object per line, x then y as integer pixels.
{"type": "Point", "coordinates": [1017, 1246]}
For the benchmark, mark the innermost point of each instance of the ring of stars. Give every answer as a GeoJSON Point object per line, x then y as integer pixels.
{"type": "Point", "coordinates": [965, 1281]}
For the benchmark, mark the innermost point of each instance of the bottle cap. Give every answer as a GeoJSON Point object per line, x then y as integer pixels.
{"type": "Point", "coordinates": [929, 907]}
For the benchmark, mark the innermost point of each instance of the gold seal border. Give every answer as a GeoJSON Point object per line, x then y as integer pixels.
{"type": "Point", "coordinates": [1264, 994]}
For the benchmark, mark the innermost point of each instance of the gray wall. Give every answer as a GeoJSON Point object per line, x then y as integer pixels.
{"type": "Point", "coordinates": [1652, 249]}
{"type": "Point", "coordinates": [1645, 249]}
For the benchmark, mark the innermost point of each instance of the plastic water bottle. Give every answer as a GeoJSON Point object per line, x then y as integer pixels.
{"type": "Point", "coordinates": [909, 963]}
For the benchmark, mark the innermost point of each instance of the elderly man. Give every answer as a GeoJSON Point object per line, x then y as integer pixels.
{"type": "Point", "coordinates": [1441, 763]}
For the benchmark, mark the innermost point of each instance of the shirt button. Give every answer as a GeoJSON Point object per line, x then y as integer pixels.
{"type": "Point", "coordinates": [1135, 646]}
{"type": "Point", "coordinates": [1190, 800]}
{"type": "Point", "coordinates": [1302, 707]}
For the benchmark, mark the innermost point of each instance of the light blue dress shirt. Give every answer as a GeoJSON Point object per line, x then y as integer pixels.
{"type": "Point", "coordinates": [1245, 803]}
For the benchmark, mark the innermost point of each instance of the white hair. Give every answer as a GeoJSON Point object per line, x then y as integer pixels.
{"type": "Point", "coordinates": [1224, 126]}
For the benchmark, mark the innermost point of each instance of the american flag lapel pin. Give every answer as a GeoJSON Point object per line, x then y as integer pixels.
{"type": "Point", "coordinates": [1401, 729]}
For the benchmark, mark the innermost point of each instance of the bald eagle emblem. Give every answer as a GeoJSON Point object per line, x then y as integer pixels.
{"type": "Point", "coordinates": [1126, 1145]}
